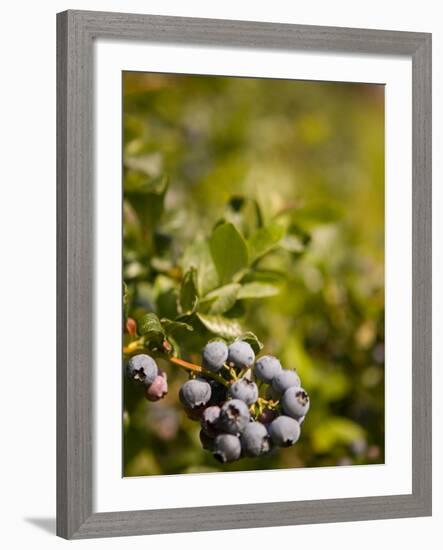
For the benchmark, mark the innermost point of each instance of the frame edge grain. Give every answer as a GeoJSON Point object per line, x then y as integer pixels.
{"type": "Point", "coordinates": [62, 515]}
{"type": "Point", "coordinates": [422, 272]}
{"type": "Point", "coordinates": [74, 275]}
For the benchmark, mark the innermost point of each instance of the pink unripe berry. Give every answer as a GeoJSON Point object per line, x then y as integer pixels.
{"type": "Point", "coordinates": [159, 388]}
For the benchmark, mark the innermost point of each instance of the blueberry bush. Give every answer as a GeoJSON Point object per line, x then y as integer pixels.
{"type": "Point", "coordinates": [253, 294]}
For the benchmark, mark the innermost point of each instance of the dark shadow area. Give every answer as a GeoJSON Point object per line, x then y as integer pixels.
{"type": "Point", "coordinates": [46, 524]}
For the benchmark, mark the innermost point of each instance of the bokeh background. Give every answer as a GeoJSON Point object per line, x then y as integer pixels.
{"type": "Point", "coordinates": [314, 153]}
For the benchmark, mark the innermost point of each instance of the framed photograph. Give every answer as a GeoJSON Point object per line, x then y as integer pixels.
{"type": "Point", "coordinates": [244, 274]}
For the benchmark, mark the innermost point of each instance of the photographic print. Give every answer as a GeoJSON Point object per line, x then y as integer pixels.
{"type": "Point", "coordinates": [253, 274]}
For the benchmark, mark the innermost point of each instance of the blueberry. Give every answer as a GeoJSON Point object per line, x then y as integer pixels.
{"type": "Point", "coordinates": [267, 416]}
{"type": "Point", "coordinates": [240, 355]}
{"type": "Point", "coordinates": [284, 380]}
{"type": "Point", "coordinates": [255, 439]}
{"type": "Point", "coordinates": [266, 368]}
{"type": "Point", "coordinates": [295, 402]}
{"type": "Point", "coordinates": [218, 391]}
{"type": "Point", "coordinates": [209, 419]}
{"type": "Point", "coordinates": [284, 431]}
{"type": "Point", "coordinates": [215, 355]}
{"type": "Point", "coordinates": [206, 441]}
{"type": "Point", "coordinates": [227, 448]}
{"type": "Point", "coordinates": [244, 389]}
{"type": "Point", "coordinates": [195, 393]}
{"type": "Point", "coordinates": [159, 388]}
{"type": "Point", "coordinates": [142, 369]}
{"type": "Point", "coordinates": [234, 416]}
{"type": "Point", "coordinates": [195, 413]}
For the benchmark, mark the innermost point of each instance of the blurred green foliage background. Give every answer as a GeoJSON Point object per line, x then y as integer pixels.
{"type": "Point", "coordinates": [311, 153]}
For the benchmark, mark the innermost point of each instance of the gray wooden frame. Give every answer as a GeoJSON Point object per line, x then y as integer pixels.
{"type": "Point", "coordinates": [76, 32]}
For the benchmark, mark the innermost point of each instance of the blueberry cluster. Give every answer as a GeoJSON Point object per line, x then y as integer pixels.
{"type": "Point", "coordinates": [245, 406]}
{"type": "Point", "coordinates": [143, 370]}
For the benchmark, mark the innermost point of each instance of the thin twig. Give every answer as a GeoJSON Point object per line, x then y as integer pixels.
{"type": "Point", "coordinates": [196, 368]}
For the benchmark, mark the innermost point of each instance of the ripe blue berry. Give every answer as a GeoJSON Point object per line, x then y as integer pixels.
{"type": "Point", "coordinates": [295, 402]}
{"type": "Point", "coordinates": [234, 416]}
{"type": "Point", "coordinates": [206, 440]}
{"type": "Point", "coordinates": [195, 393]}
{"type": "Point", "coordinates": [255, 439]}
{"type": "Point", "coordinates": [227, 448]}
{"type": "Point", "coordinates": [284, 380]}
{"type": "Point", "coordinates": [266, 368]}
{"type": "Point", "coordinates": [195, 413]}
{"type": "Point", "coordinates": [284, 431]}
{"type": "Point", "coordinates": [159, 388]}
{"type": "Point", "coordinates": [218, 391]}
{"type": "Point", "coordinates": [209, 419]}
{"type": "Point", "coordinates": [240, 355]}
{"type": "Point", "coordinates": [214, 355]}
{"type": "Point", "coordinates": [244, 389]}
{"type": "Point", "coordinates": [142, 369]}
{"type": "Point", "coordinates": [267, 416]}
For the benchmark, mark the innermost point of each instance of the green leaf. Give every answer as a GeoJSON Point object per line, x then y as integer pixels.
{"type": "Point", "coordinates": [198, 256]}
{"type": "Point", "coordinates": [166, 303]}
{"type": "Point", "coordinates": [226, 328]}
{"type": "Point", "coordinates": [252, 340]}
{"type": "Point", "coordinates": [265, 276]}
{"type": "Point", "coordinates": [140, 184]}
{"type": "Point", "coordinates": [125, 302]}
{"type": "Point", "coordinates": [293, 243]}
{"type": "Point", "coordinates": [222, 298]}
{"type": "Point", "coordinates": [150, 327]}
{"type": "Point", "coordinates": [264, 240]}
{"type": "Point", "coordinates": [150, 164]}
{"type": "Point", "coordinates": [296, 240]}
{"type": "Point", "coordinates": [189, 292]}
{"type": "Point", "coordinates": [335, 431]}
{"type": "Point", "coordinates": [176, 349]}
{"type": "Point", "coordinates": [244, 212]}
{"type": "Point", "coordinates": [162, 265]}
{"type": "Point", "coordinates": [228, 250]}
{"type": "Point", "coordinates": [146, 196]}
{"type": "Point", "coordinates": [171, 327]}
{"type": "Point", "coordinates": [257, 290]}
